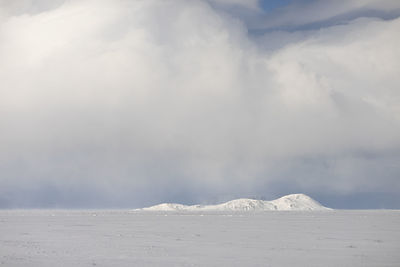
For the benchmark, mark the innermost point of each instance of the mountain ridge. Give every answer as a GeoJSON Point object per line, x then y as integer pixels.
{"type": "Point", "coordinates": [292, 202]}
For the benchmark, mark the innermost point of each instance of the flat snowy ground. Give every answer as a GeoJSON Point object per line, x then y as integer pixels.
{"type": "Point", "coordinates": [123, 238]}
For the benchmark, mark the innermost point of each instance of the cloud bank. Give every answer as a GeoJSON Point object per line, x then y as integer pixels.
{"type": "Point", "coordinates": [131, 103]}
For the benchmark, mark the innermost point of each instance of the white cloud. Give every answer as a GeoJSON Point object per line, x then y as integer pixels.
{"type": "Point", "coordinates": [133, 96]}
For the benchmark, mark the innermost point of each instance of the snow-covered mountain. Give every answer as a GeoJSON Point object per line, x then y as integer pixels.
{"type": "Point", "coordinates": [289, 202]}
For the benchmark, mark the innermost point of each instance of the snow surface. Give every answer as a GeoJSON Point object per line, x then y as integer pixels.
{"type": "Point", "coordinates": [224, 238]}
{"type": "Point", "coordinates": [290, 202]}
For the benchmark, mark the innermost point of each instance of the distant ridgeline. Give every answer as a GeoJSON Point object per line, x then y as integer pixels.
{"type": "Point", "coordinates": [293, 202]}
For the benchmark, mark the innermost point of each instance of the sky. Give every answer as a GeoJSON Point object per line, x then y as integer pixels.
{"type": "Point", "coordinates": [126, 104]}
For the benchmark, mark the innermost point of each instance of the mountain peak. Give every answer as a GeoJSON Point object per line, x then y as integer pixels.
{"type": "Point", "coordinates": [289, 202]}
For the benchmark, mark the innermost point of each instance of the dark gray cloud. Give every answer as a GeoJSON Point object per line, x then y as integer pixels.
{"type": "Point", "coordinates": [130, 103]}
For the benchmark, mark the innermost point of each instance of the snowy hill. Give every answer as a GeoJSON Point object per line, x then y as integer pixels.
{"type": "Point", "coordinates": [289, 202]}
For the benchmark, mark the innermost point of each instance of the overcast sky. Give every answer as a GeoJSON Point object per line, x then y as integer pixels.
{"type": "Point", "coordinates": [132, 103]}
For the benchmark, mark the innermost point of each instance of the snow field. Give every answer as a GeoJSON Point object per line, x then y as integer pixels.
{"type": "Point", "coordinates": [125, 238]}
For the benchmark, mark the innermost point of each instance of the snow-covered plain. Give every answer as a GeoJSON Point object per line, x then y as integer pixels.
{"type": "Point", "coordinates": [126, 238]}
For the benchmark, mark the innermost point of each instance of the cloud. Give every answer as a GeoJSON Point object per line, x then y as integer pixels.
{"type": "Point", "coordinates": [315, 14]}
{"type": "Point", "coordinates": [252, 4]}
{"type": "Point", "coordinates": [127, 103]}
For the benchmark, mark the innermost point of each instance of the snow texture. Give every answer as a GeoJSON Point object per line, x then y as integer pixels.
{"type": "Point", "coordinates": [49, 238]}
{"type": "Point", "coordinates": [290, 202]}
